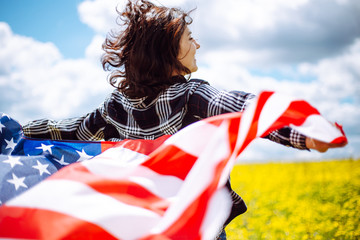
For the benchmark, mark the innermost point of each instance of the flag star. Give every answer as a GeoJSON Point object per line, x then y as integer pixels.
{"type": "Point", "coordinates": [62, 161]}
{"type": "Point", "coordinates": [42, 168]}
{"type": "Point", "coordinates": [83, 156]}
{"type": "Point", "coordinates": [13, 161]}
{"type": "Point", "coordinates": [18, 182]}
{"type": "Point", "coordinates": [45, 148]}
{"type": "Point", "coordinates": [1, 127]}
{"type": "Point", "coordinates": [10, 144]}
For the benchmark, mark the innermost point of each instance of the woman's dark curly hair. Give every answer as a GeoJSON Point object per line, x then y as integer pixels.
{"type": "Point", "coordinates": [143, 56]}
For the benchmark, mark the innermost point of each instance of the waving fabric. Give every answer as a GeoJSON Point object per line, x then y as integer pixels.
{"type": "Point", "coordinates": [168, 188]}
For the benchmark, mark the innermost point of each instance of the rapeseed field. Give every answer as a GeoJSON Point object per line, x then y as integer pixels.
{"type": "Point", "coordinates": [310, 200]}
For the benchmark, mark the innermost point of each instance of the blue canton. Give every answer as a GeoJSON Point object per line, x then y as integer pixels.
{"type": "Point", "coordinates": [24, 162]}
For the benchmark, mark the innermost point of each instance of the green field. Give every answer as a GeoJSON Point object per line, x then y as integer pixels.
{"type": "Point", "coordinates": [314, 200]}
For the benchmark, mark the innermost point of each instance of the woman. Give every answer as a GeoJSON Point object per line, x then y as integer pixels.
{"type": "Point", "coordinates": [149, 60]}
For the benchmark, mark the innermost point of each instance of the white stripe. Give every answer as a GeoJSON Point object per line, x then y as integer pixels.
{"type": "Point", "coordinates": [122, 163]}
{"type": "Point", "coordinates": [113, 159]}
{"type": "Point", "coordinates": [80, 201]}
{"type": "Point", "coordinates": [186, 139]}
{"type": "Point", "coordinates": [164, 186]}
{"type": "Point", "coordinates": [274, 107]}
{"type": "Point", "coordinates": [215, 149]}
{"type": "Point", "coordinates": [317, 127]}
{"type": "Point", "coordinates": [245, 123]}
{"type": "Point", "coordinates": [218, 211]}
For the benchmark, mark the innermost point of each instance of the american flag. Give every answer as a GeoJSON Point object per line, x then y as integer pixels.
{"type": "Point", "coordinates": [25, 162]}
{"type": "Point", "coordinates": [169, 188]}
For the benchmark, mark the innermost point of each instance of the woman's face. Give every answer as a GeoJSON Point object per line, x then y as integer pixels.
{"type": "Point", "coordinates": [188, 47]}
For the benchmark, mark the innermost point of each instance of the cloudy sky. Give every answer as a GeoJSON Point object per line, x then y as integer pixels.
{"type": "Point", "coordinates": [50, 58]}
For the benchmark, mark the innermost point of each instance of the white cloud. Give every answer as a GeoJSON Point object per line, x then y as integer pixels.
{"type": "Point", "coordinates": [307, 49]}
{"type": "Point", "coordinates": [35, 78]}
{"type": "Point", "coordinates": [94, 51]}
{"type": "Point", "coordinates": [233, 15]}
{"type": "Point", "coordinates": [99, 15]}
{"type": "Point", "coordinates": [295, 31]}
{"type": "Point", "coordinates": [338, 85]}
{"type": "Point", "coordinates": [341, 73]}
{"type": "Point", "coordinates": [16, 52]}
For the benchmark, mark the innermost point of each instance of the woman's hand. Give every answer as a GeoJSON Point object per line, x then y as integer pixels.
{"type": "Point", "coordinates": [320, 146]}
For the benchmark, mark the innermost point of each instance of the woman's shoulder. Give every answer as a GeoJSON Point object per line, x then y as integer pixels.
{"type": "Point", "coordinates": [190, 84]}
{"type": "Point", "coordinates": [198, 81]}
{"type": "Point", "coordinates": [193, 86]}
{"type": "Point", "coordinates": [115, 97]}
{"type": "Point", "coordinates": [174, 91]}
{"type": "Point", "coordinates": [187, 87]}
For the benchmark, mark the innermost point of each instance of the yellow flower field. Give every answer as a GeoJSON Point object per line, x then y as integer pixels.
{"type": "Point", "coordinates": [316, 200]}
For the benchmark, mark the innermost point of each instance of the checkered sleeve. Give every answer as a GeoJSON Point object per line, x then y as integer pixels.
{"type": "Point", "coordinates": [89, 127]}
{"type": "Point", "coordinates": [208, 101]}
{"type": "Point", "coordinates": [288, 137]}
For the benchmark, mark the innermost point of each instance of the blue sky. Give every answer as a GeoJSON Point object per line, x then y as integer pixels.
{"type": "Point", "coordinates": [54, 21]}
{"type": "Point", "coordinates": [310, 49]}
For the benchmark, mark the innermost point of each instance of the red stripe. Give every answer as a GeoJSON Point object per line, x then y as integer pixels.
{"type": "Point", "coordinates": [340, 128]}
{"type": "Point", "coordinates": [106, 145]}
{"type": "Point", "coordinates": [339, 140]}
{"type": "Point", "coordinates": [252, 132]}
{"type": "Point", "coordinates": [139, 145]}
{"type": "Point", "coordinates": [190, 221]}
{"type": "Point", "coordinates": [219, 119]}
{"type": "Point", "coordinates": [170, 160]}
{"type": "Point", "coordinates": [234, 123]}
{"type": "Point", "coordinates": [122, 190]}
{"type": "Point", "coordinates": [233, 131]}
{"type": "Point", "coordinates": [296, 113]}
{"type": "Point", "coordinates": [28, 223]}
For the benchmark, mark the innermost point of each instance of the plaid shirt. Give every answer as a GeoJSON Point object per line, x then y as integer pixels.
{"type": "Point", "coordinates": [181, 104]}
{"type": "Point", "coordinates": [149, 118]}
